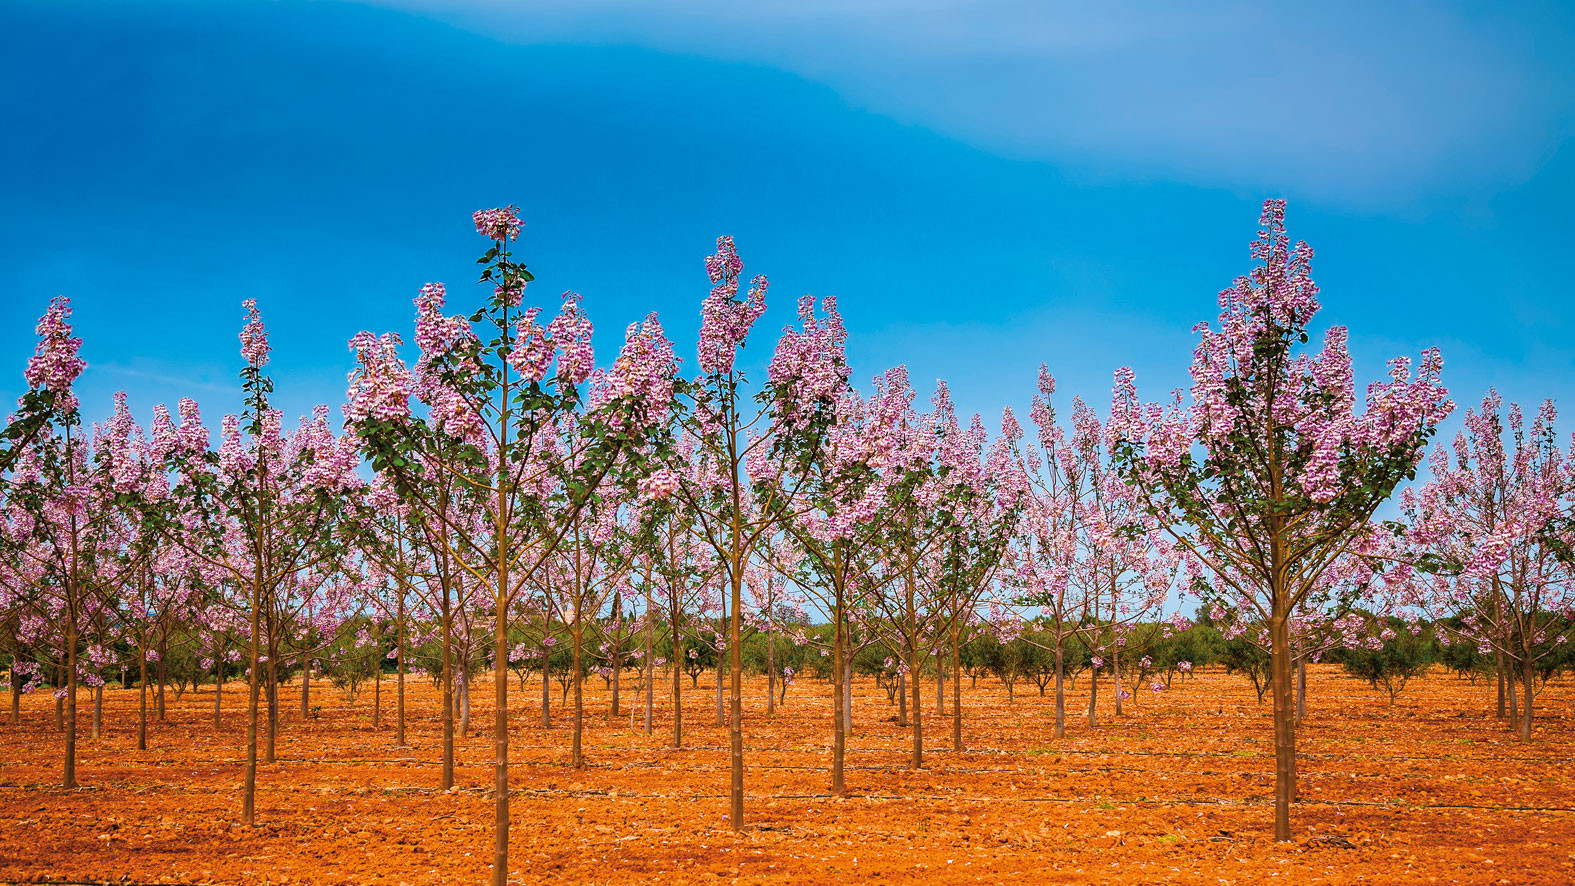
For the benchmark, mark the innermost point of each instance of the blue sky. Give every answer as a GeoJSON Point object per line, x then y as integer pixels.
{"type": "Point", "coordinates": [985, 186]}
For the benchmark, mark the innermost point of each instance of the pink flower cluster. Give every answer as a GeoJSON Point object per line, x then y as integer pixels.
{"type": "Point", "coordinates": [498, 224]}
{"type": "Point", "coordinates": [380, 385]}
{"type": "Point", "coordinates": [56, 363]}
{"type": "Point", "coordinates": [660, 484]}
{"type": "Point", "coordinates": [810, 363]}
{"type": "Point", "coordinates": [254, 336]}
{"type": "Point", "coordinates": [642, 375]}
{"type": "Point", "coordinates": [724, 321]}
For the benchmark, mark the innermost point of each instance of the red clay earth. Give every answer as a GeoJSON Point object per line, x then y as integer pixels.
{"type": "Point", "coordinates": [1431, 790]}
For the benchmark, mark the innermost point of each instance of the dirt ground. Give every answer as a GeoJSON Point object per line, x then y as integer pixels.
{"type": "Point", "coordinates": [1432, 790]}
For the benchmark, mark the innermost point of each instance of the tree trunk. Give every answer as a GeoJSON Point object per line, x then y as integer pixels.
{"type": "Point", "coordinates": [218, 687]}
{"type": "Point", "coordinates": [306, 685]}
{"type": "Point", "coordinates": [735, 656]}
{"type": "Point", "coordinates": [839, 736]}
{"type": "Point", "coordinates": [575, 758]}
{"type": "Point", "coordinates": [1093, 698]}
{"type": "Point", "coordinates": [917, 760]}
{"type": "Point", "coordinates": [1514, 694]}
{"type": "Point", "coordinates": [847, 692]}
{"type": "Point", "coordinates": [377, 692]}
{"type": "Point", "coordinates": [273, 700]}
{"type": "Point", "coordinates": [616, 661]}
{"type": "Point", "coordinates": [678, 688]}
{"type": "Point", "coordinates": [70, 779]}
{"type": "Point", "coordinates": [957, 742]}
{"type": "Point", "coordinates": [649, 660]}
{"type": "Point", "coordinates": [98, 710]}
{"type": "Point", "coordinates": [771, 671]}
{"type": "Point", "coordinates": [546, 684]}
{"type": "Point", "coordinates": [1060, 690]}
{"type": "Point", "coordinates": [399, 728]}
{"type": "Point", "coordinates": [1528, 677]}
{"type": "Point", "coordinates": [447, 776]}
{"type": "Point", "coordinates": [164, 655]}
{"type": "Point", "coordinates": [16, 690]}
{"type": "Point", "coordinates": [902, 699]}
{"type": "Point", "coordinates": [940, 682]}
{"type": "Point", "coordinates": [254, 678]}
{"type": "Point", "coordinates": [1115, 675]}
{"type": "Point", "coordinates": [500, 735]}
{"type": "Point", "coordinates": [1301, 690]}
{"type": "Point", "coordinates": [1284, 733]}
{"type": "Point", "coordinates": [142, 701]}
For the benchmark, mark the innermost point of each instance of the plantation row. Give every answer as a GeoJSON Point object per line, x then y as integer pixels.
{"type": "Point", "coordinates": [503, 500]}
{"type": "Point", "coordinates": [1155, 659]}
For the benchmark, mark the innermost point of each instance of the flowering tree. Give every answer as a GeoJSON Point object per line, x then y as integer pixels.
{"type": "Point", "coordinates": [985, 496]}
{"type": "Point", "coordinates": [1492, 536]}
{"type": "Point", "coordinates": [945, 518]}
{"type": "Point", "coordinates": [591, 566]}
{"type": "Point", "coordinates": [741, 486]}
{"type": "Point", "coordinates": [260, 511]}
{"type": "Point", "coordinates": [532, 443]}
{"type": "Point", "coordinates": [830, 541]}
{"type": "Point", "coordinates": [78, 548]}
{"type": "Point", "coordinates": [674, 570]}
{"type": "Point", "coordinates": [1271, 473]}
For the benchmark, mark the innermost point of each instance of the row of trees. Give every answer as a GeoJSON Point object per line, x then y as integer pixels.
{"type": "Point", "coordinates": [501, 498]}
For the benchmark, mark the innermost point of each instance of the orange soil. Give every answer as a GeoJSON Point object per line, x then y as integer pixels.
{"type": "Point", "coordinates": [1431, 790]}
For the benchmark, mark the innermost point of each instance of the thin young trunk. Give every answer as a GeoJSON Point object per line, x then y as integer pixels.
{"type": "Point", "coordinates": [1301, 690]}
{"type": "Point", "coordinates": [462, 696]}
{"type": "Point", "coordinates": [377, 692]}
{"type": "Point", "coordinates": [546, 684]}
{"type": "Point", "coordinates": [649, 661]}
{"type": "Point", "coordinates": [902, 699]}
{"type": "Point", "coordinates": [306, 684]}
{"type": "Point", "coordinates": [575, 758]}
{"type": "Point", "coordinates": [60, 700]}
{"type": "Point", "coordinates": [1504, 680]}
{"type": "Point", "coordinates": [254, 686]}
{"type": "Point", "coordinates": [1060, 690]}
{"type": "Point", "coordinates": [847, 691]}
{"type": "Point", "coordinates": [721, 701]}
{"type": "Point", "coordinates": [1115, 675]}
{"type": "Point", "coordinates": [273, 700]}
{"type": "Point", "coordinates": [142, 701]}
{"type": "Point", "coordinates": [1528, 676]}
{"type": "Point", "coordinates": [735, 650]}
{"type": "Point", "coordinates": [1514, 694]}
{"type": "Point", "coordinates": [678, 688]}
{"type": "Point", "coordinates": [771, 671]}
{"type": "Point", "coordinates": [447, 776]}
{"type": "Point", "coordinates": [1093, 698]}
{"type": "Point", "coordinates": [16, 690]}
{"type": "Point", "coordinates": [218, 686]}
{"type": "Point", "coordinates": [940, 682]}
{"type": "Point", "coordinates": [1498, 668]}
{"type": "Point", "coordinates": [917, 760]}
{"type": "Point", "coordinates": [98, 710]}
{"type": "Point", "coordinates": [500, 692]}
{"type": "Point", "coordinates": [399, 729]}
{"type": "Point", "coordinates": [1284, 732]}
{"type": "Point", "coordinates": [164, 655]}
{"type": "Point", "coordinates": [957, 742]}
{"type": "Point", "coordinates": [616, 662]}
{"type": "Point", "coordinates": [70, 779]}
{"type": "Point", "coordinates": [839, 736]}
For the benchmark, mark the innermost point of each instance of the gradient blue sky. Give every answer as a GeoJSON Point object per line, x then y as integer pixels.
{"type": "Point", "coordinates": [985, 186]}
